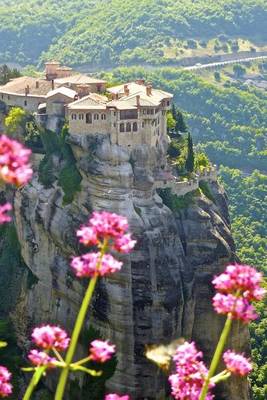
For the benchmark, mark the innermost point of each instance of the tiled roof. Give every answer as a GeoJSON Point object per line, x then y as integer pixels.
{"type": "Point", "coordinates": [92, 101]}
{"type": "Point", "coordinates": [136, 88]}
{"type": "Point", "coordinates": [78, 79]}
{"type": "Point", "coordinates": [62, 90]}
{"type": "Point", "coordinates": [18, 85]}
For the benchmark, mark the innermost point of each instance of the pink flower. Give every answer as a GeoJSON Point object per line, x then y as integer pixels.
{"type": "Point", "coordinates": [187, 382]}
{"type": "Point", "coordinates": [41, 358]}
{"type": "Point", "coordinates": [101, 351]}
{"type": "Point", "coordinates": [5, 386]}
{"type": "Point", "coordinates": [109, 226]}
{"type": "Point", "coordinates": [49, 336]}
{"type": "Point", "coordinates": [242, 279]}
{"type": "Point", "coordinates": [14, 162]}
{"type": "Point", "coordinates": [239, 307]}
{"type": "Point", "coordinates": [124, 244]}
{"type": "Point", "coordinates": [114, 396]}
{"type": "Point", "coordinates": [237, 363]}
{"type": "Point", "coordinates": [3, 216]}
{"type": "Point", "coordinates": [89, 265]}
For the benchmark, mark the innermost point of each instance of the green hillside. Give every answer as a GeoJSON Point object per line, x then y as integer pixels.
{"type": "Point", "coordinates": [109, 32]}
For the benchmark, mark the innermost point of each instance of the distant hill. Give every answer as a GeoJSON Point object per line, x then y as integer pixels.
{"type": "Point", "coordinates": [110, 32]}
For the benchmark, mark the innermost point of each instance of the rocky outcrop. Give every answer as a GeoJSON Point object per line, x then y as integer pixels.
{"type": "Point", "coordinates": [163, 291]}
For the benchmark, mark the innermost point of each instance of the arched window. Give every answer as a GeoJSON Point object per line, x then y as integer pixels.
{"type": "Point", "coordinates": [80, 116]}
{"type": "Point", "coordinates": [73, 116]}
{"type": "Point", "coordinates": [135, 126]}
{"type": "Point", "coordinates": [103, 116]}
{"type": "Point", "coordinates": [88, 118]}
{"type": "Point", "coordinates": [128, 127]}
{"type": "Point", "coordinates": [121, 127]}
{"type": "Point", "coordinates": [96, 116]}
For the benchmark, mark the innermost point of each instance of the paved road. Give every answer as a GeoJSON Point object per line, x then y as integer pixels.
{"type": "Point", "coordinates": [223, 63]}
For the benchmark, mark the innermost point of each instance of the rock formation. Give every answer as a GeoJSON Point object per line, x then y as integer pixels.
{"type": "Point", "coordinates": [163, 291]}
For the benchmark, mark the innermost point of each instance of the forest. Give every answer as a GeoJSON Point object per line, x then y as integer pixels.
{"type": "Point", "coordinates": [114, 32]}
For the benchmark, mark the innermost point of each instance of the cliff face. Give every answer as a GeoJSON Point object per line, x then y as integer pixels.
{"type": "Point", "coordinates": [163, 291]}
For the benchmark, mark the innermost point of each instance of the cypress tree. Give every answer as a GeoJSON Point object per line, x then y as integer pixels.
{"type": "Point", "coordinates": [189, 164]}
{"type": "Point", "coordinates": [180, 124]}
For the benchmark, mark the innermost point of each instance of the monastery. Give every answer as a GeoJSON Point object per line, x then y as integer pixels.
{"type": "Point", "coordinates": [133, 113]}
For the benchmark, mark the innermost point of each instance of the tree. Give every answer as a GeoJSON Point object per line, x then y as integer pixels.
{"type": "Point", "coordinates": [6, 74]}
{"type": "Point", "coordinates": [15, 122]}
{"type": "Point", "coordinates": [239, 70]}
{"type": "Point", "coordinates": [171, 123]}
{"type": "Point", "coordinates": [180, 124]}
{"type": "Point", "coordinates": [190, 160]}
{"type": "Point", "coordinates": [217, 76]}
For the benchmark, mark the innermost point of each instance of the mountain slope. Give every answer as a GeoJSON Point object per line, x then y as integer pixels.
{"type": "Point", "coordinates": [110, 32]}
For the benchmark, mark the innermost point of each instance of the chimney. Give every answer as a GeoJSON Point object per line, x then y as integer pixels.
{"type": "Point", "coordinates": [27, 90]}
{"type": "Point", "coordinates": [138, 100]}
{"type": "Point", "coordinates": [126, 90]}
{"type": "Point", "coordinates": [149, 90]}
{"type": "Point", "coordinates": [53, 84]}
{"type": "Point", "coordinates": [37, 84]}
{"type": "Point", "coordinates": [140, 81]}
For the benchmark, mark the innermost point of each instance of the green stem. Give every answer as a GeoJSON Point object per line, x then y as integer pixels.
{"type": "Point", "coordinates": [216, 357]}
{"type": "Point", "coordinates": [78, 327]}
{"type": "Point", "coordinates": [34, 382]}
{"type": "Point", "coordinates": [74, 338]}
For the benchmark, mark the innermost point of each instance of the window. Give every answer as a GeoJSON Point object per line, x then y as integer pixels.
{"type": "Point", "coordinates": [143, 124]}
{"type": "Point", "coordinates": [103, 116]}
{"type": "Point", "coordinates": [168, 103]}
{"type": "Point", "coordinates": [96, 116]}
{"type": "Point", "coordinates": [2, 96]}
{"type": "Point", "coordinates": [121, 127]}
{"type": "Point", "coordinates": [73, 116]}
{"type": "Point", "coordinates": [144, 111]}
{"type": "Point", "coordinates": [128, 127]}
{"type": "Point", "coordinates": [80, 116]}
{"type": "Point", "coordinates": [135, 126]}
{"type": "Point", "coordinates": [88, 118]}
{"type": "Point", "coordinates": [128, 114]}
{"type": "Point", "coordinates": [25, 102]}
{"type": "Point", "coordinates": [114, 113]}
{"type": "Point", "coordinates": [8, 97]}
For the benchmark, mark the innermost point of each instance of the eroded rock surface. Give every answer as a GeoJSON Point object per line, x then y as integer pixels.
{"type": "Point", "coordinates": [163, 291]}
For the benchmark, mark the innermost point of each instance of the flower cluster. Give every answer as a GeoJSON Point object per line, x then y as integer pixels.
{"type": "Point", "coordinates": [237, 363]}
{"type": "Point", "coordinates": [110, 226]}
{"type": "Point", "coordinates": [49, 336]}
{"type": "Point", "coordinates": [237, 286]}
{"type": "Point", "coordinates": [114, 396]}
{"type": "Point", "coordinates": [103, 229]}
{"type": "Point", "coordinates": [187, 382]}
{"type": "Point", "coordinates": [91, 264]}
{"type": "Point", "coordinates": [39, 358]}
{"type": "Point", "coordinates": [101, 351]}
{"type": "Point", "coordinates": [5, 386]}
{"type": "Point", "coordinates": [3, 210]}
{"type": "Point", "coordinates": [14, 162]}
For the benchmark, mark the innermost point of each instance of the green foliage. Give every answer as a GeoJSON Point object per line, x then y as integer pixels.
{"type": "Point", "coordinates": [7, 73]}
{"type": "Point", "coordinates": [46, 171]}
{"type": "Point", "coordinates": [190, 160]}
{"type": "Point", "coordinates": [171, 123]}
{"type": "Point", "coordinates": [11, 356]}
{"type": "Point", "coordinates": [201, 161]}
{"type": "Point", "coordinates": [69, 177]}
{"type": "Point", "coordinates": [177, 203]}
{"type": "Point", "coordinates": [205, 189]}
{"type": "Point", "coordinates": [177, 151]}
{"type": "Point", "coordinates": [76, 34]}
{"type": "Point", "coordinates": [239, 70]}
{"type": "Point", "coordinates": [217, 76]}
{"type": "Point", "coordinates": [15, 121]}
